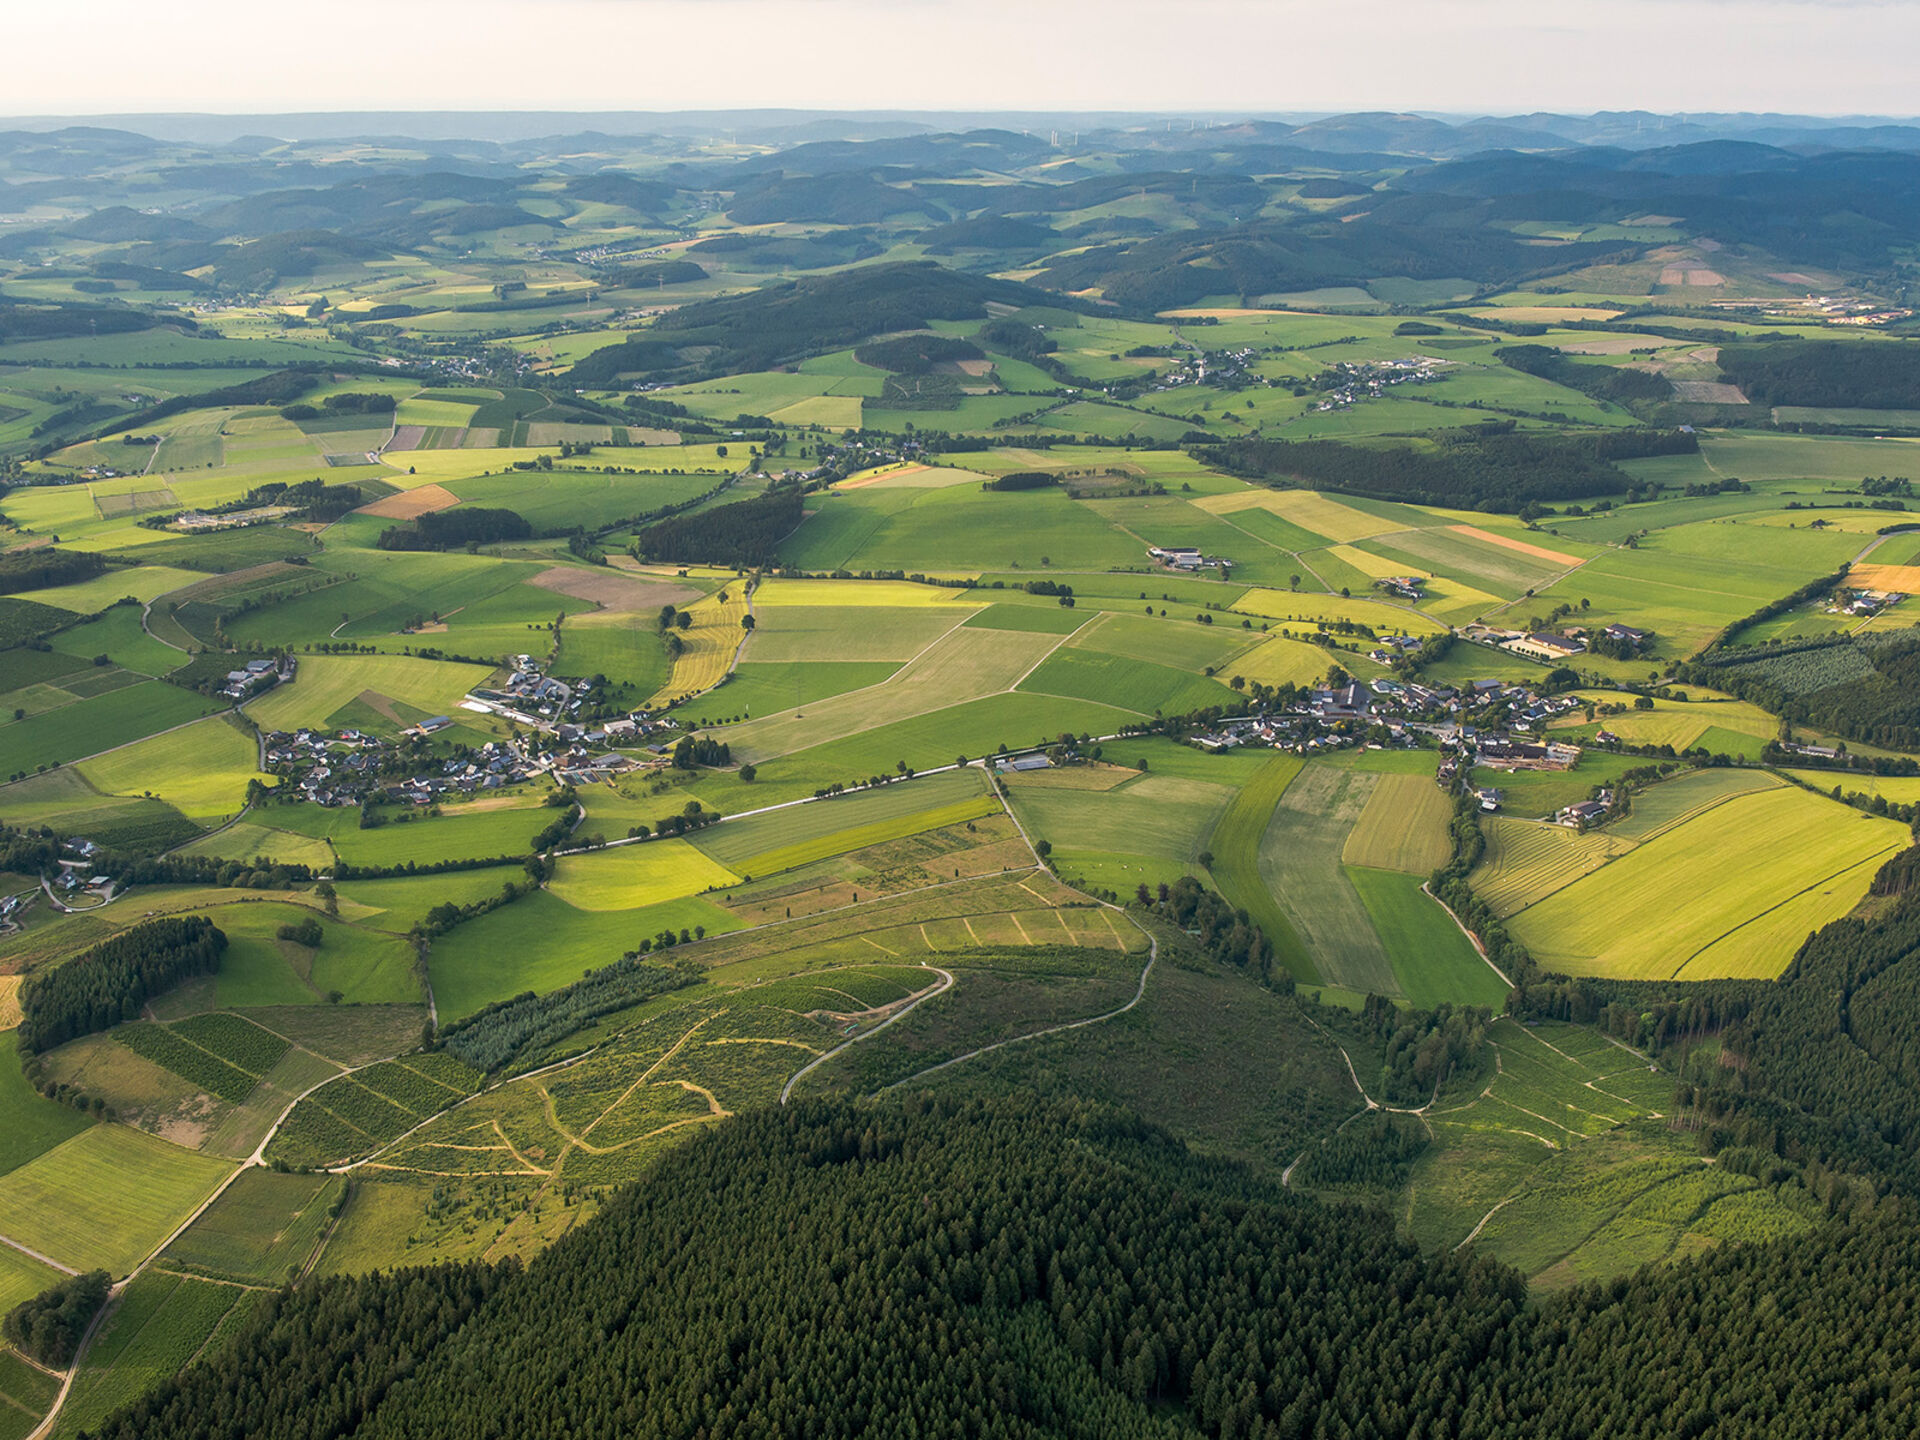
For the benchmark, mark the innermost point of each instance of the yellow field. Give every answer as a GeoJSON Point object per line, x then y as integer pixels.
{"type": "Point", "coordinates": [837, 412]}
{"type": "Point", "coordinates": [1452, 601]}
{"type": "Point", "coordinates": [1854, 522]}
{"type": "Point", "coordinates": [143, 582]}
{"type": "Point", "coordinates": [710, 644]}
{"type": "Point", "coordinates": [327, 682]}
{"type": "Point", "coordinates": [1289, 605]}
{"type": "Point", "coordinates": [1308, 509]}
{"type": "Point", "coordinates": [637, 875]}
{"type": "Point", "coordinates": [9, 1001]}
{"type": "Point", "coordinates": [1903, 578]}
{"type": "Point", "coordinates": [201, 769]}
{"type": "Point", "coordinates": [1283, 662]}
{"type": "Point", "coordinates": [452, 413]}
{"type": "Point", "coordinates": [964, 664]}
{"type": "Point", "coordinates": [859, 592]}
{"type": "Point", "coordinates": [1374, 567]}
{"type": "Point", "coordinates": [1404, 827]}
{"type": "Point", "coordinates": [1526, 861]}
{"type": "Point", "coordinates": [1719, 896]}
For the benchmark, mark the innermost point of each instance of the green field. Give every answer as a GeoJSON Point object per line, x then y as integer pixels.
{"type": "Point", "coordinates": [1239, 854]}
{"type": "Point", "coordinates": [91, 725]}
{"type": "Point", "coordinates": [865, 818]}
{"type": "Point", "coordinates": [1403, 827]}
{"type": "Point", "coordinates": [1432, 960]}
{"type": "Point", "coordinates": [105, 1198]}
{"type": "Point", "coordinates": [1148, 830]}
{"type": "Point", "coordinates": [1300, 865]}
{"type": "Point", "coordinates": [29, 1125]}
{"type": "Point", "coordinates": [1527, 860]}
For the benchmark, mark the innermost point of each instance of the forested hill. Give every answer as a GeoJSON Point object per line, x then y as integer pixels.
{"type": "Point", "coordinates": [1002, 1268]}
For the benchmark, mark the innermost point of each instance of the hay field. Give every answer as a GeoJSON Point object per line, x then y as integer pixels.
{"type": "Point", "coordinates": [1528, 860]}
{"type": "Point", "coordinates": [1718, 896]}
{"type": "Point", "coordinates": [965, 664]}
{"type": "Point", "coordinates": [710, 644]}
{"type": "Point", "coordinates": [744, 844]}
{"type": "Point", "coordinates": [327, 683]}
{"type": "Point", "coordinates": [1285, 605]}
{"type": "Point", "coordinates": [1903, 578]}
{"type": "Point", "coordinates": [1284, 662]}
{"type": "Point", "coordinates": [1659, 808]}
{"type": "Point", "coordinates": [793, 634]}
{"type": "Point", "coordinates": [1404, 827]}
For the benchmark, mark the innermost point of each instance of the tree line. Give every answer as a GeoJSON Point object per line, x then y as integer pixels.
{"type": "Point", "coordinates": [108, 985]}
{"type": "Point", "coordinates": [745, 533]}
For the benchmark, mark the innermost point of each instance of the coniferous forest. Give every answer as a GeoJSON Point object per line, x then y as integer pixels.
{"type": "Point", "coordinates": [1008, 1268]}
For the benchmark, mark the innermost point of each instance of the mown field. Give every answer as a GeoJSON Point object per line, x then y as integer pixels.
{"type": "Point", "coordinates": [1717, 895]}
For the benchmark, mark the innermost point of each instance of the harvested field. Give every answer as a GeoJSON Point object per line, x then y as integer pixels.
{"type": "Point", "coordinates": [407, 437]}
{"type": "Point", "coordinates": [1507, 542]}
{"type": "Point", "coordinates": [1527, 860]}
{"type": "Point", "coordinates": [709, 646]}
{"type": "Point", "coordinates": [423, 500]}
{"type": "Point", "coordinates": [610, 589]}
{"type": "Point", "coordinates": [1903, 578]}
{"type": "Point", "coordinates": [9, 1001]}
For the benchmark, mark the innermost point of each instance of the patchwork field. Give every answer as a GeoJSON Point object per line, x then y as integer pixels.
{"type": "Point", "coordinates": [965, 664]}
{"type": "Point", "coordinates": [327, 684]}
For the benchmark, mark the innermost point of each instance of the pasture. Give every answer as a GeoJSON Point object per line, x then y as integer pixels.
{"type": "Point", "coordinates": [1300, 865]}
{"type": "Point", "coordinates": [201, 770]}
{"type": "Point", "coordinates": [328, 684]}
{"type": "Point", "coordinates": [1148, 830]}
{"type": "Point", "coordinates": [105, 1198]}
{"type": "Point", "coordinates": [1238, 844]}
{"type": "Point", "coordinates": [1433, 961]}
{"type": "Point", "coordinates": [799, 834]}
{"type": "Point", "coordinates": [101, 722]}
{"type": "Point", "coordinates": [1717, 896]}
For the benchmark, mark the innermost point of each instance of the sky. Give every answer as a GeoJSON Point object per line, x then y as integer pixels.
{"type": "Point", "coordinates": [1816, 57]}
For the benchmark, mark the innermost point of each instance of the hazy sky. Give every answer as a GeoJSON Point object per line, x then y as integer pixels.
{"type": "Point", "coordinates": [1807, 56]}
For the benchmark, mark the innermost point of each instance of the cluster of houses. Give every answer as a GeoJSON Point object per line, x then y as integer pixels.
{"type": "Point", "coordinates": [1187, 559]}
{"type": "Point", "coordinates": [1481, 718]}
{"type": "Point", "coordinates": [532, 697]}
{"type": "Point", "coordinates": [352, 767]}
{"type": "Point", "coordinates": [74, 874]}
{"type": "Point", "coordinates": [1226, 369]}
{"type": "Point", "coordinates": [1350, 382]}
{"type": "Point", "coordinates": [258, 675]}
{"type": "Point", "coordinates": [1403, 587]}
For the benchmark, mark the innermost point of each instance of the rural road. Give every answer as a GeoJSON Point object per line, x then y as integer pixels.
{"type": "Point", "coordinates": [946, 984]}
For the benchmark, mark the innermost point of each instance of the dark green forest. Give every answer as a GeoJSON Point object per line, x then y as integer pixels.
{"type": "Point", "coordinates": [1008, 1268]}
{"type": "Point", "coordinates": [107, 985]}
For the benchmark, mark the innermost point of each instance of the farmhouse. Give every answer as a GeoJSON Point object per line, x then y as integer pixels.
{"type": "Point", "coordinates": [1187, 558]}
{"type": "Point", "coordinates": [1503, 753]}
{"type": "Point", "coordinates": [1627, 634]}
{"type": "Point", "coordinates": [1407, 587]}
{"type": "Point", "coordinates": [1546, 646]}
{"type": "Point", "coordinates": [1350, 702]}
{"type": "Point", "coordinates": [1584, 813]}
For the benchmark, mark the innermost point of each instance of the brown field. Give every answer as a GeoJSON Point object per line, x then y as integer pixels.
{"type": "Point", "coordinates": [896, 473]}
{"type": "Point", "coordinates": [407, 437]}
{"type": "Point", "coordinates": [1507, 542]}
{"type": "Point", "coordinates": [611, 590]}
{"type": "Point", "coordinates": [408, 503]}
{"type": "Point", "coordinates": [1903, 578]}
{"type": "Point", "coordinates": [234, 580]}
